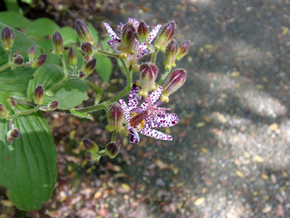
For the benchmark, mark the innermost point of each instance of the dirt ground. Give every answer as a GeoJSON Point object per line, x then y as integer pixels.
{"type": "Point", "coordinates": [230, 155]}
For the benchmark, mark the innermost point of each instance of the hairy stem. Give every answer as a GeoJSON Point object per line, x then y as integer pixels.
{"type": "Point", "coordinates": [24, 112]}
{"type": "Point", "coordinates": [64, 65]}
{"type": "Point", "coordinates": [163, 77]}
{"type": "Point", "coordinates": [106, 53]}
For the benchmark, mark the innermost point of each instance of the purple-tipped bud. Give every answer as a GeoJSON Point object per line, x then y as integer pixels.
{"type": "Point", "coordinates": [72, 57]}
{"type": "Point", "coordinates": [6, 38]}
{"type": "Point", "coordinates": [57, 42]}
{"type": "Point", "coordinates": [112, 149]}
{"type": "Point", "coordinates": [38, 95]}
{"type": "Point", "coordinates": [148, 74]}
{"type": "Point", "coordinates": [127, 42]}
{"type": "Point", "coordinates": [84, 32]}
{"type": "Point", "coordinates": [53, 105]}
{"type": "Point", "coordinates": [13, 102]}
{"type": "Point", "coordinates": [90, 66]}
{"type": "Point", "coordinates": [173, 82]}
{"type": "Point", "coordinates": [12, 37]}
{"type": "Point", "coordinates": [18, 59]}
{"type": "Point", "coordinates": [170, 55]}
{"type": "Point", "coordinates": [31, 53]}
{"type": "Point", "coordinates": [93, 157]}
{"type": "Point", "coordinates": [164, 36]}
{"type": "Point", "coordinates": [182, 50]}
{"type": "Point", "coordinates": [82, 74]}
{"type": "Point", "coordinates": [87, 48]}
{"type": "Point", "coordinates": [116, 118]}
{"type": "Point", "coordinates": [143, 32]}
{"type": "Point", "coordinates": [90, 146]}
{"type": "Point", "coordinates": [12, 134]}
{"type": "Point", "coordinates": [4, 113]}
{"type": "Point", "coordinates": [39, 61]}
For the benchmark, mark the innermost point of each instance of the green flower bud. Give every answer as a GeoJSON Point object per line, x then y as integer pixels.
{"type": "Point", "coordinates": [7, 37]}
{"type": "Point", "coordinates": [53, 105]}
{"type": "Point", "coordinates": [148, 74]}
{"type": "Point", "coordinates": [173, 82]}
{"type": "Point", "coordinates": [4, 113]}
{"type": "Point", "coordinates": [72, 57]}
{"type": "Point", "coordinates": [12, 134]}
{"type": "Point", "coordinates": [170, 55]}
{"type": "Point", "coordinates": [112, 149]}
{"type": "Point", "coordinates": [87, 48]}
{"type": "Point", "coordinates": [39, 61]}
{"type": "Point", "coordinates": [164, 36]}
{"type": "Point", "coordinates": [116, 118]}
{"type": "Point", "coordinates": [127, 42]}
{"type": "Point", "coordinates": [12, 37]}
{"type": "Point", "coordinates": [90, 146]}
{"type": "Point", "coordinates": [31, 53]}
{"type": "Point", "coordinates": [18, 59]}
{"type": "Point", "coordinates": [90, 66]}
{"type": "Point", "coordinates": [84, 32]}
{"type": "Point", "coordinates": [39, 95]}
{"type": "Point", "coordinates": [57, 42]}
{"type": "Point", "coordinates": [143, 32]}
{"type": "Point", "coordinates": [182, 50]}
{"type": "Point", "coordinates": [93, 157]}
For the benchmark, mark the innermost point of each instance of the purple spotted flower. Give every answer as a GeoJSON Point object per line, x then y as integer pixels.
{"type": "Point", "coordinates": [148, 116]}
{"type": "Point", "coordinates": [140, 48]}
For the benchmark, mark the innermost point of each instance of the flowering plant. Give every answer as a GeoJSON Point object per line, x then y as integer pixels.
{"type": "Point", "coordinates": [29, 86]}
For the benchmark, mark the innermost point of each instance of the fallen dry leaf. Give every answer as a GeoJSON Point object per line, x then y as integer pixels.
{"type": "Point", "coordinates": [161, 165]}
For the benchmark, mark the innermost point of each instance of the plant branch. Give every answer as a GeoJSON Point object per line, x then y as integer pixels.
{"type": "Point", "coordinates": [164, 77]}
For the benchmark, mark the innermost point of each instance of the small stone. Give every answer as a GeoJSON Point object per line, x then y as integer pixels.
{"type": "Point", "coordinates": [259, 159]}
{"type": "Point", "coordinates": [159, 182]}
{"type": "Point", "coordinates": [273, 127]}
{"type": "Point", "coordinates": [264, 176]}
{"type": "Point", "coordinates": [240, 174]}
{"type": "Point", "coordinates": [247, 154]}
{"type": "Point", "coordinates": [199, 201]}
{"type": "Point", "coordinates": [235, 74]}
{"type": "Point", "coordinates": [98, 194]}
{"type": "Point", "coordinates": [267, 209]}
{"type": "Point", "coordinates": [200, 124]}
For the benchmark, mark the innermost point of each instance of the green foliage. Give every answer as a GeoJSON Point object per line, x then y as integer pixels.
{"type": "Point", "coordinates": [104, 67]}
{"type": "Point", "coordinates": [14, 19]}
{"type": "Point", "coordinates": [41, 27]}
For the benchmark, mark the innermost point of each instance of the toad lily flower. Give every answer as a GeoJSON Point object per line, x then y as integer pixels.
{"type": "Point", "coordinates": [147, 116]}
{"type": "Point", "coordinates": [140, 48]}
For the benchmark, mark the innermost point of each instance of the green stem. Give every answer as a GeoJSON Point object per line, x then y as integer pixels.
{"type": "Point", "coordinates": [153, 57]}
{"type": "Point", "coordinates": [64, 65]}
{"type": "Point", "coordinates": [164, 77]}
{"type": "Point", "coordinates": [114, 136]}
{"type": "Point", "coordinates": [106, 53]}
{"type": "Point", "coordinates": [9, 63]}
{"type": "Point", "coordinates": [59, 84]}
{"type": "Point", "coordinates": [24, 112]}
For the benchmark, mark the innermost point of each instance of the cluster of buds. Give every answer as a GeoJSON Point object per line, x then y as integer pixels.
{"type": "Point", "coordinates": [7, 38]}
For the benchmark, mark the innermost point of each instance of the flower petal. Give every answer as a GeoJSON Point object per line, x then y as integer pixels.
{"type": "Point", "coordinates": [125, 110]}
{"type": "Point", "coordinates": [134, 136]}
{"type": "Point", "coordinates": [164, 120]}
{"type": "Point", "coordinates": [154, 133]}
{"type": "Point", "coordinates": [143, 50]}
{"type": "Point", "coordinates": [153, 33]}
{"type": "Point", "coordinates": [134, 21]}
{"type": "Point", "coordinates": [134, 98]}
{"type": "Point", "coordinates": [111, 32]}
{"type": "Point", "coordinates": [114, 44]}
{"type": "Point", "coordinates": [154, 96]}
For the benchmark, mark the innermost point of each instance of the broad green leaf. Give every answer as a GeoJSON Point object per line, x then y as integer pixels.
{"type": "Point", "coordinates": [69, 36]}
{"type": "Point", "coordinates": [12, 5]}
{"type": "Point", "coordinates": [98, 90]}
{"type": "Point", "coordinates": [70, 92]}
{"type": "Point", "coordinates": [41, 27]}
{"type": "Point", "coordinates": [22, 43]}
{"type": "Point", "coordinates": [29, 171]}
{"type": "Point", "coordinates": [80, 114]}
{"type": "Point", "coordinates": [27, 1]}
{"type": "Point", "coordinates": [94, 32]}
{"type": "Point", "coordinates": [14, 19]}
{"type": "Point", "coordinates": [104, 67]}
{"type": "Point", "coordinates": [46, 45]}
{"type": "Point", "coordinates": [105, 46]}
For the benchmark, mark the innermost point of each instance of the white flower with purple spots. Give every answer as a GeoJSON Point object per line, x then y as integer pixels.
{"type": "Point", "coordinates": [140, 49]}
{"type": "Point", "coordinates": [142, 119]}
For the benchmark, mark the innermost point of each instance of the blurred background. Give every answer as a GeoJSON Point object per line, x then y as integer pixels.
{"type": "Point", "coordinates": [230, 155]}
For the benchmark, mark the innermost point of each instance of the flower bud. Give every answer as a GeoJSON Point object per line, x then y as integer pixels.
{"type": "Point", "coordinates": [18, 59]}
{"type": "Point", "coordinates": [90, 66]}
{"type": "Point", "coordinates": [112, 149]}
{"type": "Point", "coordinates": [170, 55]}
{"type": "Point", "coordinates": [82, 74]}
{"type": "Point", "coordinates": [182, 50]}
{"type": "Point", "coordinates": [84, 32]}
{"type": "Point", "coordinates": [115, 118]}
{"type": "Point", "coordinates": [127, 42]}
{"type": "Point", "coordinates": [165, 35]}
{"type": "Point", "coordinates": [39, 61]}
{"type": "Point", "coordinates": [12, 134]}
{"type": "Point", "coordinates": [57, 42]}
{"type": "Point", "coordinates": [173, 82]}
{"type": "Point", "coordinates": [38, 95]}
{"type": "Point", "coordinates": [13, 102]}
{"type": "Point", "coordinates": [53, 105]}
{"type": "Point", "coordinates": [143, 32]}
{"type": "Point", "coordinates": [148, 74]}
{"type": "Point", "coordinates": [7, 37]}
{"type": "Point", "coordinates": [31, 53]}
{"type": "Point", "coordinates": [72, 57]}
{"type": "Point", "coordinates": [93, 157]}
{"type": "Point", "coordinates": [90, 146]}
{"type": "Point", "coordinates": [87, 48]}
{"type": "Point", "coordinates": [4, 113]}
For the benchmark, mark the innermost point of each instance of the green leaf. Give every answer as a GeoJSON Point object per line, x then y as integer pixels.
{"type": "Point", "coordinates": [41, 27]}
{"type": "Point", "coordinates": [105, 46]}
{"type": "Point", "coordinates": [29, 171]}
{"type": "Point", "coordinates": [12, 5]}
{"type": "Point", "coordinates": [69, 36]}
{"type": "Point", "coordinates": [98, 90]}
{"type": "Point", "coordinates": [46, 45]}
{"type": "Point", "coordinates": [80, 114]}
{"type": "Point", "coordinates": [70, 93]}
{"type": "Point", "coordinates": [94, 32]}
{"type": "Point", "coordinates": [104, 67]}
{"type": "Point", "coordinates": [13, 19]}
{"type": "Point", "coordinates": [29, 2]}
